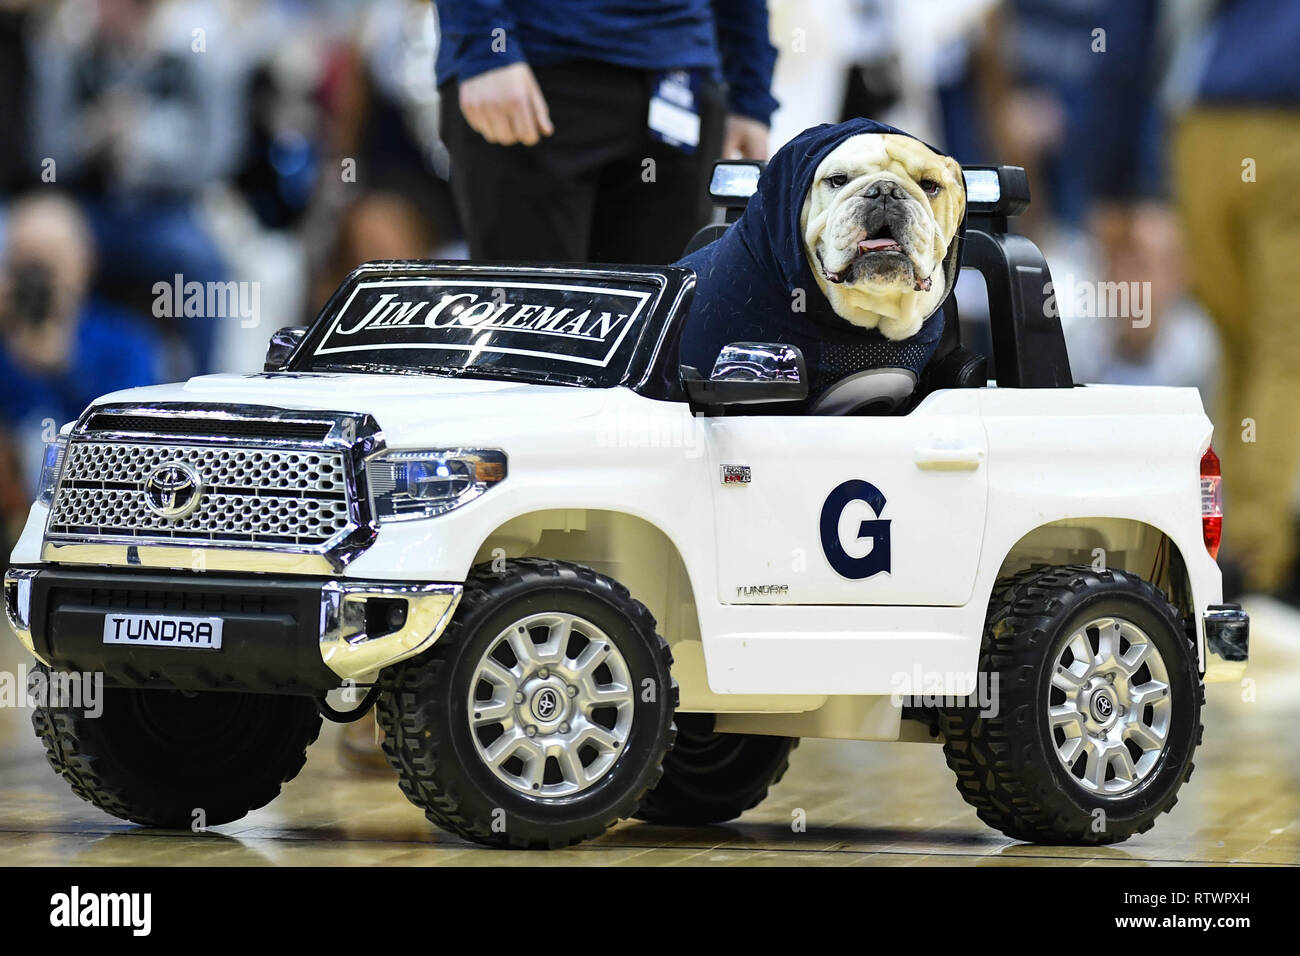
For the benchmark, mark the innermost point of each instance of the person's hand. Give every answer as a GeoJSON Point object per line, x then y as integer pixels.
{"type": "Point", "coordinates": [506, 106]}
{"type": "Point", "coordinates": [744, 138]}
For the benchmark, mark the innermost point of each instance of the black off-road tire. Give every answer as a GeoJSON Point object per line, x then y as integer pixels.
{"type": "Point", "coordinates": [423, 711]}
{"type": "Point", "coordinates": [711, 777]}
{"type": "Point", "coordinates": [155, 757]}
{"type": "Point", "coordinates": [1006, 765]}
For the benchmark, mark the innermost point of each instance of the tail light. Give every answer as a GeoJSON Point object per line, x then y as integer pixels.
{"type": "Point", "coordinates": [1211, 502]}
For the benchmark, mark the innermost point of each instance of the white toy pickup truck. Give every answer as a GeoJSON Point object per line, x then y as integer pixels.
{"type": "Point", "coordinates": [580, 583]}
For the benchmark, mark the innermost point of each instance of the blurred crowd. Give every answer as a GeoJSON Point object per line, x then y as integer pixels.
{"type": "Point", "coordinates": [278, 143]}
{"type": "Point", "coordinates": [152, 145]}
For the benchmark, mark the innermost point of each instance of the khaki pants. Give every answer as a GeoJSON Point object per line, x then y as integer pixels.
{"type": "Point", "coordinates": [1243, 243]}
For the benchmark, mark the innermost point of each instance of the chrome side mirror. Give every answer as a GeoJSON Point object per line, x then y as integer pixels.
{"type": "Point", "coordinates": [282, 345]}
{"type": "Point", "coordinates": [749, 373]}
{"type": "Point", "coordinates": [759, 362]}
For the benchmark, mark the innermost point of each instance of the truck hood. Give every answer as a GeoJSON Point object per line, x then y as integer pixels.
{"type": "Point", "coordinates": [402, 404]}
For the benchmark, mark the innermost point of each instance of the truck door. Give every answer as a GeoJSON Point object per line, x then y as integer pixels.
{"type": "Point", "coordinates": [851, 510]}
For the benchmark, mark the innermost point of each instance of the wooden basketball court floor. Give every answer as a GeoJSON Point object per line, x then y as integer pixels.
{"type": "Point", "coordinates": [865, 804]}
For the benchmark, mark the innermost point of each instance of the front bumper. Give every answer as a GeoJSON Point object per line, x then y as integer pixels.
{"type": "Point", "coordinates": [282, 636]}
{"type": "Point", "coordinates": [1227, 642]}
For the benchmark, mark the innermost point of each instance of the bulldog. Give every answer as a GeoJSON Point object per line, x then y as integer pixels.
{"type": "Point", "coordinates": [877, 222]}
{"type": "Point", "coordinates": [846, 250]}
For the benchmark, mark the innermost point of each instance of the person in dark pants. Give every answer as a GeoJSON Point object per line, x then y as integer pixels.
{"type": "Point", "coordinates": [587, 132]}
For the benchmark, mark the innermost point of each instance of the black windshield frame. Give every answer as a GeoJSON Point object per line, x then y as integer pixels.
{"type": "Point", "coordinates": [648, 363]}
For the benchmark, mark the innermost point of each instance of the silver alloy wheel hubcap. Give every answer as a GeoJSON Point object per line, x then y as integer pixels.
{"type": "Point", "coordinates": [553, 722]}
{"type": "Point", "coordinates": [1109, 706]}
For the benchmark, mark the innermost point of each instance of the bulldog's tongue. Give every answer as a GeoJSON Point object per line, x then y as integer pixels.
{"type": "Point", "coordinates": [876, 245]}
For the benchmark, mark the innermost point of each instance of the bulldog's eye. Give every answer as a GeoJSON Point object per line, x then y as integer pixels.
{"type": "Point", "coordinates": [931, 187]}
{"type": "Point", "coordinates": [837, 181]}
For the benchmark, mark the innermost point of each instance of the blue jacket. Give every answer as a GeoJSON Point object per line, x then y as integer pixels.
{"type": "Point", "coordinates": [111, 349]}
{"type": "Point", "coordinates": [1253, 57]}
{"type": "Point", "coordinates": [726, 37]}
{"type": "Point", "coordinates": [751, 280]}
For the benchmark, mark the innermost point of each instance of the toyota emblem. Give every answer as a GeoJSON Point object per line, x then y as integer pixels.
{"type": "Point", "coordinates": [546, 704]}
{"type": "Point", "coordinates": [1103, 706]}
{"type": "Point", "coordinates": [172, 490]}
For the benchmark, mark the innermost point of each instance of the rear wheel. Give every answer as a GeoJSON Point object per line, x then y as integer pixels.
{"type": "Point", "coordinates": [711, 777]}
{"type": "Point", "coordinates": [1097, 705]}
{"type": "Point", "coordinates": [176, 759]}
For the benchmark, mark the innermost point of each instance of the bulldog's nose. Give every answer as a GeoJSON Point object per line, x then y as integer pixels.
{"type": "Point", "coordinates": [884, 190]}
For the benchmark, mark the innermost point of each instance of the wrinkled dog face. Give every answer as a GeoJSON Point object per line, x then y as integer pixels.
{"type": "Point", "coordinates": [877, 223]}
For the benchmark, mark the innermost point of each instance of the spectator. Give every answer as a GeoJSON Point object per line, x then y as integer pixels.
{"type": "Point", "coordinates": [377, 225]}
{"type": "Point", "coordinates": [16, 171]}
{"type": "Point", "coordinates": [138, 118]}
{"type": "Point", "coordinates": [545, 114]}
{"type": "Point", "coordinates": [59, 347]}
{"type": "Point", "coordinates": [1236, 167]}
{"type": "Point", "coordinates": [1035, 83]}
{"type": "Point", "coordinates": [1165, 338]}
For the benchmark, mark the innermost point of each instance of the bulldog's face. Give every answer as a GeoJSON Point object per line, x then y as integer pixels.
{"type": "Point", "coordinates": [877, 223]}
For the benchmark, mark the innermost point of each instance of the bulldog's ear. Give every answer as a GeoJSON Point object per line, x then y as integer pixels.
{"type": "Point", "coordinates": [952, 261]}
{"type": "Point", "coordinates": [957, 183]}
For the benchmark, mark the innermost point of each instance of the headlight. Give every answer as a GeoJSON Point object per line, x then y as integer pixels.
{"type": "Point", "coordinates": [51, 465]}
{"type": "Point", "coordinates": [422, 484]}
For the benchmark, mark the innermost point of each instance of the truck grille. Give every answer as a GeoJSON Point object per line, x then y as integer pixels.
{"type": "Point", "coordinates": [194, 425]}
{"type": "Point", "coordinates": [257, 496]}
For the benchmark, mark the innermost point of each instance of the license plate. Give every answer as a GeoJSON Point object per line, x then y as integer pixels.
{"type": "Point", "coordinates": [163, 630]}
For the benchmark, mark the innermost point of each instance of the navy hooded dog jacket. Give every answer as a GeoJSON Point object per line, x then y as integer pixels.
{"type": "Point", "coordinates": [752, 277]}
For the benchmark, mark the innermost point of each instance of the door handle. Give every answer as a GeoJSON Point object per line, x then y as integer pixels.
{"type": "Point", "coordinates": [949, 459]}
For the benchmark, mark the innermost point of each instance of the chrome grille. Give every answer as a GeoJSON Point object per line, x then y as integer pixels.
{"type": "Point", "coordinates": [250, 495]}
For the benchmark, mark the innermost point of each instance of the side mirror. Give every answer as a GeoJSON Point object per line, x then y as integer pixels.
{"type": "Point", "coordinates": [749, 373]}
{"type": "Point", "coordinates": [282, 345]}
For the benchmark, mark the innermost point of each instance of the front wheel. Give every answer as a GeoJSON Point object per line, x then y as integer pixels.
{"type": "Point", "coordinates": [1097, 709]}
{"type": "Point", "coordinates": [174, 759]}
{"type": "Point", "coordinates": [541, 716]}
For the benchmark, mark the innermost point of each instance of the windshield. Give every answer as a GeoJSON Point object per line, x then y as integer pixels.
{"type": "Point", "coordinates": [568, 328]}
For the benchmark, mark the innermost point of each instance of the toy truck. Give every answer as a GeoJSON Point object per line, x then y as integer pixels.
{"type": "Point", "coordinates": [580, 583]}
